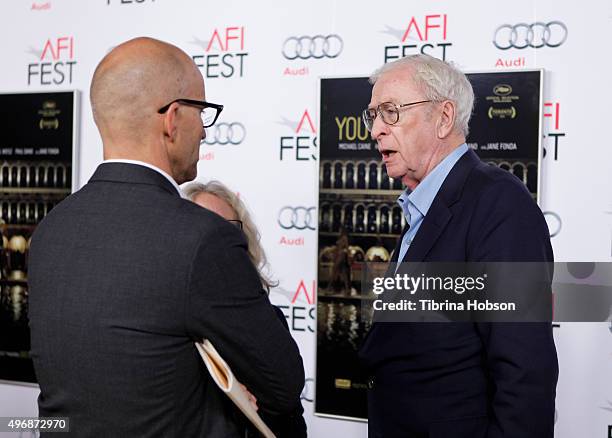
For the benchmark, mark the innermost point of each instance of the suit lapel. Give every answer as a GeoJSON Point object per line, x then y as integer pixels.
{"type": "Point", "coordinates": [398, 245]}
{"type": "Point", "coordinates": [439, 214]}
{"type": "Point", "coordinates": [434, 223]}
{"type": "Point", "coordinates": [430, 230]}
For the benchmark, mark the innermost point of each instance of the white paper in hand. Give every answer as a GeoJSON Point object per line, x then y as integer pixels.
{"type": "Point", "coordinates": [226, 381]}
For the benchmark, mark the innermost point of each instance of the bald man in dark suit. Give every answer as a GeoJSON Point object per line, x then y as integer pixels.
{"type": "Point", "coordinates": [125, 274]}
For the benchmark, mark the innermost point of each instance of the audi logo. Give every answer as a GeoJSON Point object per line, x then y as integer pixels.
{"type": "Point", "coordinates": [225, 133]}
{"type": "Point", "coordinates": [317, 47]}
{"type": "Point", "coordinates": [298, 218]}
{"type": "Point", "coordinates": [553, 220]}
{"type": "Point", "coordinates": [307, 392]}
{"type": "Point", "coordinates": [535, 35]}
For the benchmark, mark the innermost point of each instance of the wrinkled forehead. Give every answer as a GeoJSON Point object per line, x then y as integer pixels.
{"type": "Point", "coordinates": [395, 86]}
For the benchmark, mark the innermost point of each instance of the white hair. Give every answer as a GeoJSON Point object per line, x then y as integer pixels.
{"type": "Point", "coordinates": [439, 81]}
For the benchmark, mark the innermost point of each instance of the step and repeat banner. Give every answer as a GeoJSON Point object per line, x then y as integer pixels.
{"type": "Point", "coordinates": [264, 61]}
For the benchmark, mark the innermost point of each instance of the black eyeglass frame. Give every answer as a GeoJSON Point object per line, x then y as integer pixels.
{"type": "Point", "coordinates": [377, 112]}
{"type": "Point", "coordinates": [198, 103]}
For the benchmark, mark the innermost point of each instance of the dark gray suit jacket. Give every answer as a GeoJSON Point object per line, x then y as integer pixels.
{"type": "Point", "coordinates": [458, 379]}
{"type": "Point", "coordinates": [124, 276]}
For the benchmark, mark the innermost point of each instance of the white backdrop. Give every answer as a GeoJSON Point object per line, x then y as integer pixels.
{"type": "Point", "coordinates": [55, 45]}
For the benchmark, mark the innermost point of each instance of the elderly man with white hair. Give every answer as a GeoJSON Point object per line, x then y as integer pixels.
{"type": "Point", "coordinates": [455, 379]}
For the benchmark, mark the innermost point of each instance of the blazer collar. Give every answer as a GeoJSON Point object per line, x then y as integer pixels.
{"type": "Point", "coordinates": [132, 174]}
{"type": "Point", "coordinates": [439, 213]}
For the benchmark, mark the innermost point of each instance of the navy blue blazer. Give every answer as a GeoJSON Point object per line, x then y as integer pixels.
{"type": "Point", "coordinates": [459, 379]}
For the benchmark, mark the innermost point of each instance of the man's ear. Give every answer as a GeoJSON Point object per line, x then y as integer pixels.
{"type": "Point", "coordinates": [446, 122]}
{"type": "Point", "coordinates": [170, 122]}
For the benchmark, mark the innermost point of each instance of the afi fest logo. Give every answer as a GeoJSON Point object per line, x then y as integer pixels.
{"type": "Point", "coordinates": [520, 36]}
{"type": "Point", "coordinates": [427, 34]}
{"type": "Point", "coordinates": [54, 63]}
{"type": "Point", "coordinates": [223, 54]}
{"type": "Point", "coordinates": [552, 129]}
{"type": "Point", "coordinates": [300, 311]}
{"type": "Point", "coordinates": [302, 143]}
{"type": "Point", "coordinates": [310, 47]}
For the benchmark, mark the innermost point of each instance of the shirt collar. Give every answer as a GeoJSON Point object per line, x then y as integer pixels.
{"type": "Point", "coordinates": [152, 167]}
{"type": "Point", "coordinates": [423, 195]}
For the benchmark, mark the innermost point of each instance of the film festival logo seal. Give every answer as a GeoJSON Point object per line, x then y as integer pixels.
{"type": "Point", "coordinates": [48, 113]}
{"type": "Point", "coordinates": [502, 98]}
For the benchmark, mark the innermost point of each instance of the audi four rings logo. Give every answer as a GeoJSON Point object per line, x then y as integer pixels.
{"type": "Point", "coordinates": [317, 47]}
{"type": "Point", "coordinates": [225, 133]}
{"type": "Point", "coordinates": [307, 392]}
{"type": "Point", "coordinates": [553, 220]}
{"type": "Point", "coordinates": [534, 35]}
{"type": "Point", "coordinates": [298, 218]}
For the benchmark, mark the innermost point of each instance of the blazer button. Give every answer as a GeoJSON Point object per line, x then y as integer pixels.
{"type": "Point", "coordinates": [371, 382]}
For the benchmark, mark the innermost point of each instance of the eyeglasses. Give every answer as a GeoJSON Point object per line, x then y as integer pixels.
{"type": "Point", "coordinates": [209, 111]}
{"type": "Point", "coordinates": [388, 111]}
{"type": "Point", "coordinates": [236, 222]}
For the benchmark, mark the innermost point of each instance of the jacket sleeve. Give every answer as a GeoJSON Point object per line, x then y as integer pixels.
{"type": "Point", "coordinates": [520, 358]}
{"type": "Point", "coordinates": [226, 304]}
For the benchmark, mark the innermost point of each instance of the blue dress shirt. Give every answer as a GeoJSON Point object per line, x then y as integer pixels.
{"type": "Point", "coordinates": [415, 204]}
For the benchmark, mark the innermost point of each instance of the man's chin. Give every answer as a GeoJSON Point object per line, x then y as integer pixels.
{"type": "Point", "coordinates": [192, 175]}
{"type": "Point", "coordinates": [407, 179]}
{"type": "Point", "coordinates": [395, 174]}
{"type": "Point", "coordinates": [186, 177]}
{"type": "Point", "coordinates": [410, 182]}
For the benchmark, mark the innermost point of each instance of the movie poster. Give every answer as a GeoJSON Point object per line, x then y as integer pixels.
{"type": "Point", "coordinates": [37, 170]}
{"type": "Point", "coordinates": [505, 128]}
{"type": "Point", "coordinates": [360, 221]}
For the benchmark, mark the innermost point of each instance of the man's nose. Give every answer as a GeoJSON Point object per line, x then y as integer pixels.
{"type": "Point", "coordinates": [379, 128]}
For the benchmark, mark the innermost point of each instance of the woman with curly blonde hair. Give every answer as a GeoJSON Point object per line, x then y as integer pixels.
{"type": "Point", "coordinates": [215, 196]}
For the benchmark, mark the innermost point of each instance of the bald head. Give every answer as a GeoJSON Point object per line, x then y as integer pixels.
{"type": "Point", "coordinates": [132, 82]}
